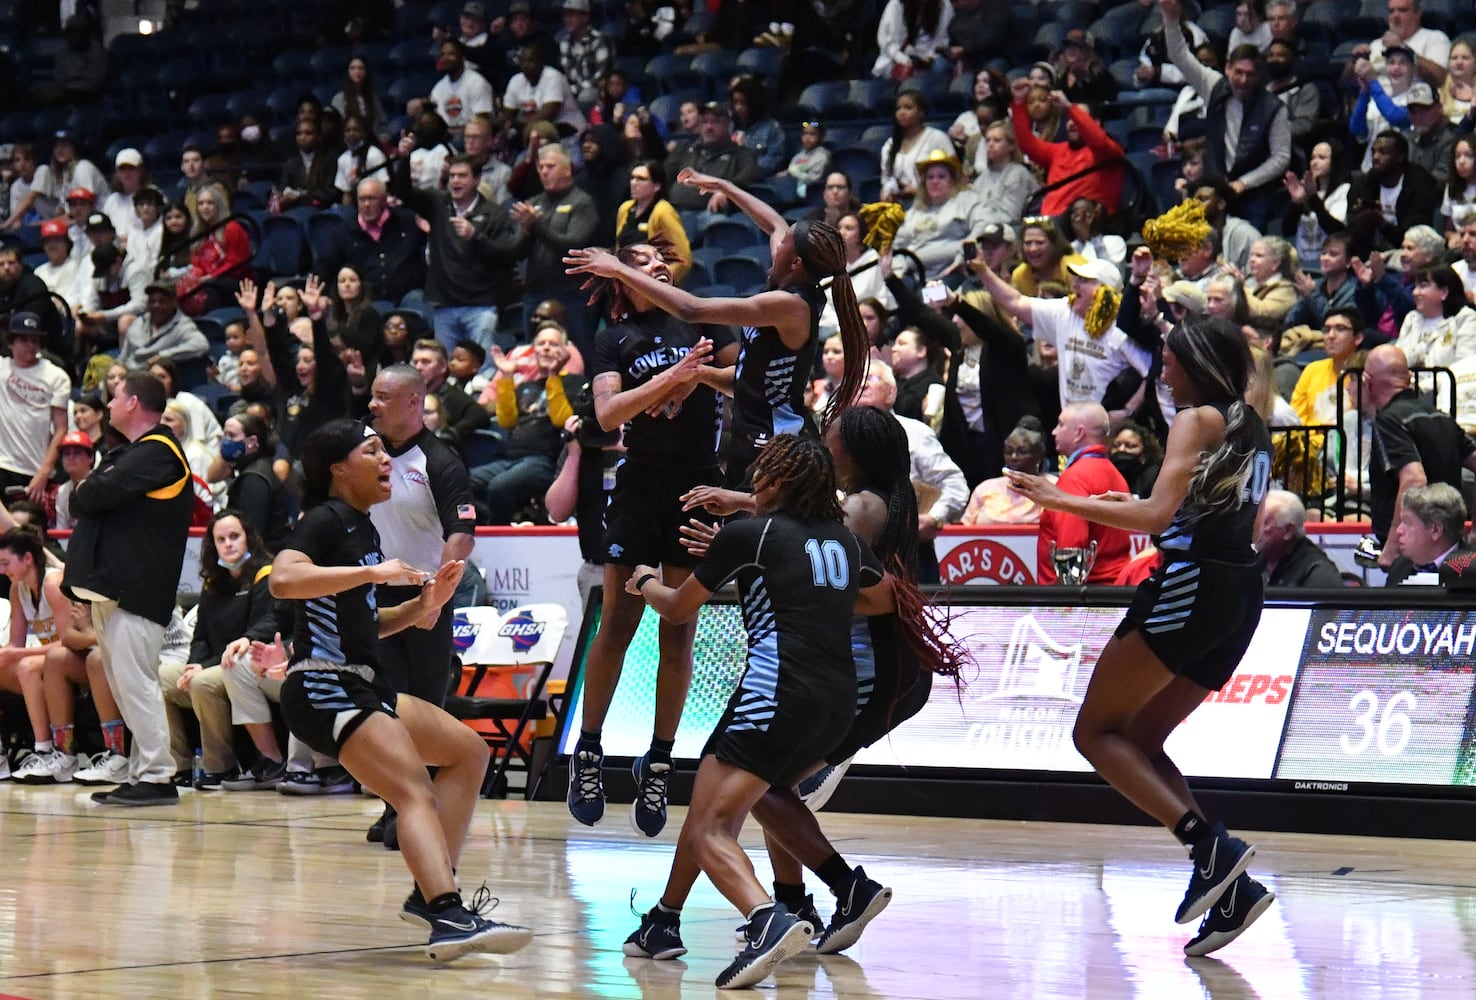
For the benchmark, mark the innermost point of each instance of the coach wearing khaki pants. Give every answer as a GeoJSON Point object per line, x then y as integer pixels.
{"type": "Point", "coordinates": [133, 517]}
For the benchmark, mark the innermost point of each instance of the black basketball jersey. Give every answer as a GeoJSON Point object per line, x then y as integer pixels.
{"type": "Point", "coordinates": [769, 393]}
{"type": "Point", "coordinates": [1225, 531]}
{"type": "Point", "coordinates": [344, 627]}
{"type": "Point", "coordinates": [642, 347]}
{"type": "Point", "coordinates": [798, 582]}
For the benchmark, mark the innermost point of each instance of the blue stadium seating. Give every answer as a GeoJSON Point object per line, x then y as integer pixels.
{"type": "Point", "coordinates": [322, 231]}
{"type": "Point", "coordinates": [732, 234]}
{"type": "Point", "coordinates": [740, 272]}
{"type": "Point", "coordinates": [282, 242]}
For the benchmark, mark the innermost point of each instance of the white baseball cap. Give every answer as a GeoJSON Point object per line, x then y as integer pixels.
{"type": "Point", "coordinates": [1104, 271]}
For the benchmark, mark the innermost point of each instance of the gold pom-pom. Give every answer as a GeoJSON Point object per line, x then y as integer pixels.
{"type": "Point", "coordinates": [1103, 313]}
{"type": "Point", "coordinates": [1177, 232]}
{"type": "Point", "coordinates": [882, 219]}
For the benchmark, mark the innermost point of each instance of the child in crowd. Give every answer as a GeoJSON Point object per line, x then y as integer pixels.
{"type": "Point", "coordinates": [812, 162]}
{"type": "Point", "coordinates": [228, 365]}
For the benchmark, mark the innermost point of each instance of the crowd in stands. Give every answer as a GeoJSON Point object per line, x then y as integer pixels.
{"type": "Point", "coordinates": [390, 183]}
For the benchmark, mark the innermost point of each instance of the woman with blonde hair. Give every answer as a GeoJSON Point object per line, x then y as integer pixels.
{"type": "Point", "coordinates": [1269, 290]}
{"type": "Point", "coordinates": [1458, 92]}
{"type": "Point", "coordinates": [944, 214]}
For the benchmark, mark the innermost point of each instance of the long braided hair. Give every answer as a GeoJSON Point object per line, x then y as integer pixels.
{"type": "Point", "coordinates": [615, 292]}
{"type": "Point", "coordinates": [802, 470]}
{"type": "Point", "coordinates": [877, 447]}
{"type": "Point", "coordinates": [820, 248]}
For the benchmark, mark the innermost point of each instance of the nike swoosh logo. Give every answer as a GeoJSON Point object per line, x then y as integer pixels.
{"type": "Point", "coordinates": [1209, 869]}
{"type": "Point", "coordinates": [1228, 910]}
{"type": "Point", "coordinates": [850, 901]}
{"type": "Point", "coordinates": [759, 941]}
{"type": "Point", "coordinates": [461, 927]}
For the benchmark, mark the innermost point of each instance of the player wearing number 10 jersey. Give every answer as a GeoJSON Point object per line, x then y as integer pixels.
{"type": "Point", "coordinates": [1192, 620]}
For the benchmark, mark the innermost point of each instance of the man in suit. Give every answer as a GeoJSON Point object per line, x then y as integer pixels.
{"type": "Point", "coordinates": [1431, 529]}
{"type": "Point", "coordinates": [1292, 559]}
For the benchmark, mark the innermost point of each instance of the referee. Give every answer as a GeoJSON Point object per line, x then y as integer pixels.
{"type": "Point", "coordinates": [427, 522]}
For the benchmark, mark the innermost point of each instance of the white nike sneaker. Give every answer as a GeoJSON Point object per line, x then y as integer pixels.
{"type": "Point", "coordinates": [51, 768]}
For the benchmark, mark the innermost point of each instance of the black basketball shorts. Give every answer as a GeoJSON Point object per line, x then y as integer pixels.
{"type": "Point", "coordinates": [1198, 616]}
{"type": "Point", "coordinates": [645, 513]}
{"type": "Point", "coordinates": [324, 703]}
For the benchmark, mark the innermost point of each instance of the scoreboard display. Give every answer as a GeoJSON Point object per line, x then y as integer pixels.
{"type": "Point", "coordinates": [1326, 697]}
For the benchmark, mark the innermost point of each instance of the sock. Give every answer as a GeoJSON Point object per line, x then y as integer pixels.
{"type": "Point", "coordinates": [668, 916]}
{"type": "Point", "coordinates": [112, 732]}
{"type": "Point", "coordinates": [835, 873]}
{"type": "Point", "coordinates": [44, 746]}
{"type": "Point", "coordinates": [1191, 828]}
{"type": "Point", "coordinates": [589, 740]}
{"type": "Point", "coordinates": [792, 896]}
{"type": "Point", "coordinates": [759, 909]}
{"type": "Point", "coordinates": [445, 901]}
{"type": "Point", "coordinates": [660, 751]}
{"type": "Point", "coordinates": [62, 737]}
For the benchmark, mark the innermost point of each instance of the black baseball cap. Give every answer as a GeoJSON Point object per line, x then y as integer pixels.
{"type": "Point", "coordinates": [25, 324]}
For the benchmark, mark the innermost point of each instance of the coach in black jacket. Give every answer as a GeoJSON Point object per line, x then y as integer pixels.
{"type": "Point", "coordinates": [133, 516]}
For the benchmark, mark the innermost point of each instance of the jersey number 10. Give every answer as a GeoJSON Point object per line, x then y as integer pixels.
{"type": "Point", "coordinates": [828, 563]}
{"type": "Point", "coordinates": [1258, 479]}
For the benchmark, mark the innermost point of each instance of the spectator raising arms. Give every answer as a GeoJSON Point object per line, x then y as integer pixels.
{"type": "Point", "coordinates": [1086, 165]}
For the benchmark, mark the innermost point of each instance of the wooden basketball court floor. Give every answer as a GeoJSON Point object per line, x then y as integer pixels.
{"type": "Point", "coordinates": [258, 894]}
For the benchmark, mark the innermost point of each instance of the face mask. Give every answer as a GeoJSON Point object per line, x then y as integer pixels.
{"type": "Point", "coordinates": [251, 133]}
{"type": "Point", "coordinates": [231, 567]}
{"type": "Point", "coordinates": [232, 451]}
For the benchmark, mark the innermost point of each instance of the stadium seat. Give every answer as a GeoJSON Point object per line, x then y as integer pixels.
{"type": "Point", "coordinates": [322, 233]}
{"type": "Point", "coordinates": [732, 234]}
{"type": "Point", "coordinates": [673, 72]}
{"type": "Point", "coordinates": [857, 162]}
{"type": "Point", "coordinates": [740, 272]}
{"type": "Point", "coordinates": [715, 69]}
{"type": "Point", "coordinates": [1218, 22]}
{"type": "Point", "coordinates": [282, 242]}
{"type": "Point", "coordinates": [820, 100]}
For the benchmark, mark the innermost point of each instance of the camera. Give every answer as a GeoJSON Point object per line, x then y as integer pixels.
{"type": "Point", "coordinates": [934, 292]}
{"type": "Point", "coordinates": [970, 249]}
{"type": "Point", "coordinates": [581, 401]}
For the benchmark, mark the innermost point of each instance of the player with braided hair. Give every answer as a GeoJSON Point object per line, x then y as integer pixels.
{"type": "Point", "coordinates": [896, 656]}
{"type": "Point", "coordinates": [800, 573]}
{"type": "Point", "coordinates": [779, 325]}
{"type": "Point", "coordinates": [651, 376]}
{"type": "Point", "coordinates": [1191, 622]}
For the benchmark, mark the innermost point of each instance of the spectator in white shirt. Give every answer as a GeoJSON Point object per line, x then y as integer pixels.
{"type": "Point", "coordinates": [1431, 47]}
{"type": "Point", "coordinates": [541, 93]}
{"type": "Point", "coordinates": [462, 92]}
{"type": "Point", "coordinates": [129, 178]}
{"type": "Point", "coordinates": [60, 271]}
{"type": "Point", "coordinates": [360, 157]}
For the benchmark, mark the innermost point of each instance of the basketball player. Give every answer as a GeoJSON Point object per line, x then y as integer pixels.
{"type": "Point", "coordinates": [894, 679]}
{"type": "Point", "coordinates": [336, 702]}
{"type": "Point", "coordinates": [779, 325]}
{"type": "Point", "coordinates": [1192, 620]}
{"type": "Point", "coordinates": [652, 376]}
{"type": "Point", "coordinates": [799, 572]}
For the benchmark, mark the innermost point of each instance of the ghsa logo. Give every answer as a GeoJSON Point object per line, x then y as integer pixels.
{"type": "Point", "coordinates": [524, 630]}
{"type": "Point", "coordinates": [463, 632]}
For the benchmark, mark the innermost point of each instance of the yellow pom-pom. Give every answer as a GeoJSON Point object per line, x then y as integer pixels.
{"type": "Point", "coordinates": [1103, 313]}
{"type": "Point", "coordinates": [882, 220]}
{"type": "Point", "coordinates": [1177, 232]}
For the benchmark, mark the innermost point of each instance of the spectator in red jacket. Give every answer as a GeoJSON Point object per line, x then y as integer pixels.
{"type": "Point", "coordinates": [218, 260]}
{"type": "Point", "coordinates": [1086, 146]}
{"type": "Point", "coordinates": [1081, 435]}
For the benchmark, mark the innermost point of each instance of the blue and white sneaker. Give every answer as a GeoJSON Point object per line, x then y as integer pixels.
{"type": "Point", "coordinates": [1218, 860]}
{"type": "Point", "coordinates": [816, 790]}
{"type": "Point", "coordinates": [459, 930]}
{"type": "Point", "coordinates": [648, 811]}
{"type": "Point", "coordinates": [805, 911]}
{"type": "Point", "coordinates": [655, 939]}
{"type": "Point", "coordinates": [415, 910]}
{"type": "Point", "coordinates": [856, 906]}
{"type": "Point", "coordinates": [586, 789]}
{"type": "Point", "coordinates": [1231, 915]}
{"type": "Point", "coordinates": [774, 934]}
